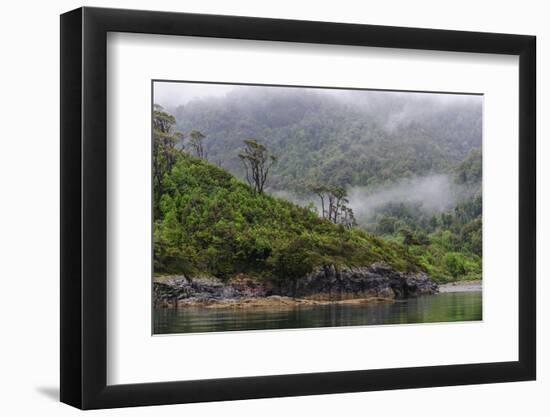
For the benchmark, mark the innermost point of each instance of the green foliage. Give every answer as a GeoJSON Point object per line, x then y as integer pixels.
{"type": "Point", "coordinates": [212, 223]}
{"type": "Point", "coordinates": [296, 258]}
{"type": "Point", "coordinates": [356, 140]}
{"type": "Point", "coordinates": [165, 139]}
{"type": "Point", "coordinates": [334, 203]}
{"type": "Point", "coordinates": [207, 221]}
{"type": "Point", "coordinates": [449, 244]}
{"type": "Point", "coordinates": [196, 140]}
{"type": "Point", "coordinates": [257, 162]}
{"type": "Point", "coordinates": [470, 170]}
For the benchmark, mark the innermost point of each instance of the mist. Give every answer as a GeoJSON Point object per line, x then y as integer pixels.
{"type": "Point", "coordinates": [390, 108]}
{"type": "Point", "coordinates": [173, 94]}
{"type": "Point", "coordinates": [344, 123]}
{"type": "Point", "coordinates": [433, 194]}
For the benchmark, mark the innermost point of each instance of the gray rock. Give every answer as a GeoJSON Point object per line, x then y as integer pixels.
{"type": "Point", "coordinates": [378, 280]}
{"type": "Point", "coordinates": [327, 283]}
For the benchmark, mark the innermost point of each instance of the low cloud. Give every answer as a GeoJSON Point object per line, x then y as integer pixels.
{"type": "Point", "coordinates": [434, 193]}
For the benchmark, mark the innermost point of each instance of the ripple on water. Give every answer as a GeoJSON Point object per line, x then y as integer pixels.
{"type": "Point", "coordinates": [444, 307]}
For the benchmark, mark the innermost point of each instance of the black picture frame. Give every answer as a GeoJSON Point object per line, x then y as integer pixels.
{"type": "Point", "coordinates": [84, 207]}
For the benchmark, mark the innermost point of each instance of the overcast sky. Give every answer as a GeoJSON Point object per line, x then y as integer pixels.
{"type": "Point", "coordinates": [172, 94]}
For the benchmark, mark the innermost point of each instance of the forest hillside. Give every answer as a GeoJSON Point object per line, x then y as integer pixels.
{"type": "Point", "coordinates": [351, 176]}
{"type": "Point", "coordinates": [230, 229]}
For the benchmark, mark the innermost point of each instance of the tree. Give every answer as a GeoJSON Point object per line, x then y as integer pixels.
{"type": "Point", "coordinates": [196, 140]}
{"type": "Point", "coordinates": [334, 204]}
{"type": "Point", "coordinates": [409, 238]}
{"type": "Point", "coordinates": [165, 140]}
{"type": "Point", "coordinates": [320, 191]}
{"type": "Point", "coordinates": [257, 162]}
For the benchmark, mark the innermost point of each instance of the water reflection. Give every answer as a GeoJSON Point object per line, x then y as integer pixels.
{"type": "Point", "coordinates": [461, 306]}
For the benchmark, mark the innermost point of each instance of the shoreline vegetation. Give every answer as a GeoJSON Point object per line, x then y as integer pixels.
{"type": "Point", "coordinates": [225, 237]}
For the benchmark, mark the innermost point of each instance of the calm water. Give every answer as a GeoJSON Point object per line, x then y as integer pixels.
{"type": "Point", "coordinates": [460, 306]}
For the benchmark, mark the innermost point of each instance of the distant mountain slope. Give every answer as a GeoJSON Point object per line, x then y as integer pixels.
{"type": "Point", "coordinates": [341, 138]}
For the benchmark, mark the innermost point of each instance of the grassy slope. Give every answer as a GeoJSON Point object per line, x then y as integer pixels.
{"type": "Point", "coordinates": [213, 223]}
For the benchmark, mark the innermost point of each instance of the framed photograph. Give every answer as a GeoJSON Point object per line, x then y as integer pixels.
{"type": "Point", "coordinates": [257, 208]}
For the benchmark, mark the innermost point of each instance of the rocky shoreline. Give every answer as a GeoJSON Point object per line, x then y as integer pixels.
{"type": "Point", "coordinates": [461, 286]}
{"type": "Point", "coordinates": [376, 283]}
{"type": "Point", "coordinates": [273, 301]}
